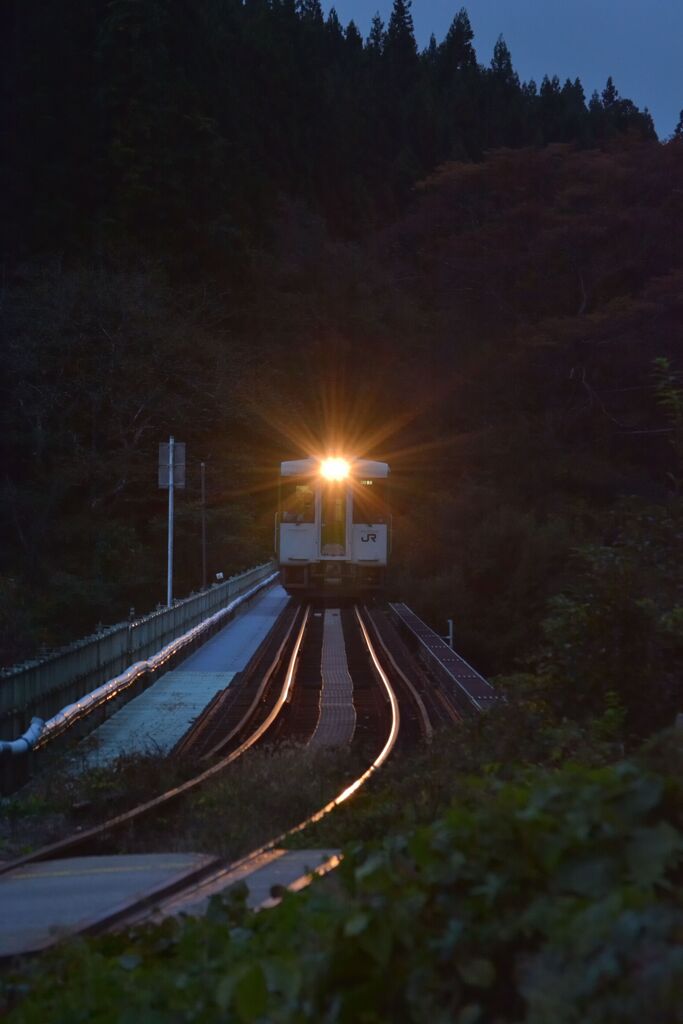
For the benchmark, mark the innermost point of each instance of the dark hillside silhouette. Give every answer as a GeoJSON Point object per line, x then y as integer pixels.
{"type": "Point", "coordinates": [243, 224]}
{"type": "Point", "coordinates": [178, 124]}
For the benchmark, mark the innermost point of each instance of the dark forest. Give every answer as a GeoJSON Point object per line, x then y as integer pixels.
{"type": "Point", "coordinates": [243, 223]}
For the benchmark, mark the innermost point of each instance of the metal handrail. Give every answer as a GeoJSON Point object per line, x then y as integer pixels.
{"type": "Point", "coordinates": [41, 733]}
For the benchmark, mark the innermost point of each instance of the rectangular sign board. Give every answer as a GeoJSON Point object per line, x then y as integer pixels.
{"type": "Point", "coordinates": [178, 464]}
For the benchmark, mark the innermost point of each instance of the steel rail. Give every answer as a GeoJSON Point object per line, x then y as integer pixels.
{"type": "Point", "coordinates": [379, 760]}
{"type": "Point", "coordinates": [98, 831]}
{"type": "Point", "coordinates": [216, 878]}
{"type": "Point", "coordinates": [381, 757]}
{"type": "Point", "coordinates": [235, 731]}
{"type": "Point", "coordinates": [279, 703]}
{"type": "Point", "coordinates": [425, 721]}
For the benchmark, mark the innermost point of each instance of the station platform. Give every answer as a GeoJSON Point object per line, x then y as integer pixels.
{"type": "Point", "coordinates": [264, 875]}
{"type": "Point", "coordinates": [44, 902]}
{"type": "Point", "coordinates": [154, 721]}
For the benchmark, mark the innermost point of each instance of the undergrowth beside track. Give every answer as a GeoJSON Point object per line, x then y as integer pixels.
{"type": "Point", "coordinates": [263, 793]}
{"type": "Point", "coordinates": [552, 894]}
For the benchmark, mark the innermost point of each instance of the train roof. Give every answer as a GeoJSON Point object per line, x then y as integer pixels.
{"type": "Point", "coordinates": [359, 468]}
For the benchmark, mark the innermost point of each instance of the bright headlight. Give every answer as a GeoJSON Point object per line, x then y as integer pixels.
{"type": "Point", "coordinates": [334, 469]}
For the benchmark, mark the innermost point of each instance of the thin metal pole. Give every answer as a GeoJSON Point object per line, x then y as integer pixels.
{"type": "Point", "coordinates": [203, 525]}
{"type": "Point", "coordinates": [169, 575]}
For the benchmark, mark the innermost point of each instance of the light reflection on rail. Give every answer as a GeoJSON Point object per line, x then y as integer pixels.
{"type": "Point", "coordinates": [126, 817]}
{"type": "Point", "coordinates": [362, 779]}
{"type": "Point", "coordinates": [212, 879]}
{"type": "Point", "coordinates": [219, 878]}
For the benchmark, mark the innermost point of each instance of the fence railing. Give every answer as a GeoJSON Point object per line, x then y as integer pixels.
{"type": "Point", "coordinates": [44, 686]}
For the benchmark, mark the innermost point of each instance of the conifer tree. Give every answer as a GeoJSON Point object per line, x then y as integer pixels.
{"type": "Point", "coordinates": [400, 47]}
{"type": "Point", "coordinates": [501, 63]}
{"type": "Point", "coordinates": [597, 118]}
{"type": "Point", "coordinates": [610, 95]}
{"type": "Point", "coordinates": [377, 36]}
{"type": "Point", "coordinates": [310, 10]}
{"type": "Point", "coordinates": [678, 130]}
{"type": "Point", "coordinates": [550, 108]}
{"type": "Point", "coordinates": [334, 34]}
{"type": "Point", "coordinates": [353, 37]}
{"type": "Point", "coordinates": [432, 51]}
{"type": "Point", "coordinates": [550, 87]}
{"type": "Point", "coordinates": [574, 91]}
{"type": "Point", "coordinates": [333, 24]}
{"type": "Point", "coordinates": [574, 114]}
{"type": "Point", "coordinates": [458, 50]}
{"type": "Point", "coordinates": [506, 124]}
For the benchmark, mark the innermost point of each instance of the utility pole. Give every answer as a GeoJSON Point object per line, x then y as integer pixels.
{"type": "Point", "coordinates": [171, 476]}
{"type": "Point", "coordinates": [203, 477]}
{"type": "Point", "coordinates": [171, 510]}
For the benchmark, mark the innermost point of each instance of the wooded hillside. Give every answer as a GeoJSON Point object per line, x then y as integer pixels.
{"type": "Point", "coordinates": [241, 223]}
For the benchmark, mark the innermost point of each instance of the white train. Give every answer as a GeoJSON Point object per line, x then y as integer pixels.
{"type": "Point", "coordinates": [333, 527]}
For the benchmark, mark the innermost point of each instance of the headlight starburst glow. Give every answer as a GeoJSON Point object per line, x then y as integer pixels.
{"type": "Point", "coordinates": [334, 469]}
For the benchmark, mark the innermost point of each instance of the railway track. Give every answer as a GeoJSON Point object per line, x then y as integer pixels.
{"type": "Point", "coordinates": [254, 710]}
{"type": "Point", "coordinates": [215, 877]}
{"type": "Point", "coordinates": [93, 839]}
{"type": "Point", "coordinates": [364, 692]}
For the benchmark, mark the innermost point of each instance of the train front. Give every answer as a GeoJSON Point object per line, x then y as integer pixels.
{"type": "Point", "coordinates": [333, 529]}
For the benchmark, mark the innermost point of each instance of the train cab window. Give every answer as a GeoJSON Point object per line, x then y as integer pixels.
{"type": "Point", "coordinates": [298, 503]}
{"type": "Point", "coordinates": [369, 501]}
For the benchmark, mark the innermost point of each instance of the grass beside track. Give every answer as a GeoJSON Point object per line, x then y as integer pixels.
{"type": "Point", "coordinates": [259, 796]}
{"type": "Point", "coordinates": [541, 894]}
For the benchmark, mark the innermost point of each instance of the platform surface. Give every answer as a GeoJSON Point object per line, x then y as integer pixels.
{"type": "Point", "coordinates": [234, 645]}
{"type": "Point", "coordinates": [44, 902]}
{"type": "Point", "coordinates": [154, 721]}
{"type": "Point", "coordinates": [271, 870]}
{"type": "Point", "coordinates": [41, 901]}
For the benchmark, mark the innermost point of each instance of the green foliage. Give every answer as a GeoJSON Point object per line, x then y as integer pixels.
{"type": "Point", "coordinates": [669, 394]}
{"type": "Point", "coordinates": [501, 556]}
{"type": "Point", "coordinates": [280, 786]}
{"type": "Point", "coordinates": [248, 323]}
{"type": "Point", "coordinates": [18, 637]}
{"type": "Point", "coordinates": [420, 785]}
{"type": "Point", "coordinates": [101, 367]}
{"type": "Point", "coordinates": [614, 643]}
{"type": "Point", "coordinates": [532, 900]}
{"type": "Point", "coordinates": [15, 808]}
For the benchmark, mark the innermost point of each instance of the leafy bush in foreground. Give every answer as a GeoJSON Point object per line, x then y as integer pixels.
{"type": "Point", "coordinates": [548, 898]}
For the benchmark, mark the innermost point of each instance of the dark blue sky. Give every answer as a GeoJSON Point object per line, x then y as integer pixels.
{"type": "Point", "coordinates": [638, 42]}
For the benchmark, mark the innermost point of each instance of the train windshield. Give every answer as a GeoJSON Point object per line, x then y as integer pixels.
{"type": "Point", "coordinates": [297, 503]}
{"type": "Point", "coordinates": [369, 501]}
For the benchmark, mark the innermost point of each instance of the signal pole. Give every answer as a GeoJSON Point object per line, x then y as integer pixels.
{"type": "Point", "coordinates": [171, 496]}
{"type": "Point", "coordinates": [171, 475]}
{"type": "Point", "coordinates": [203, 477]}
